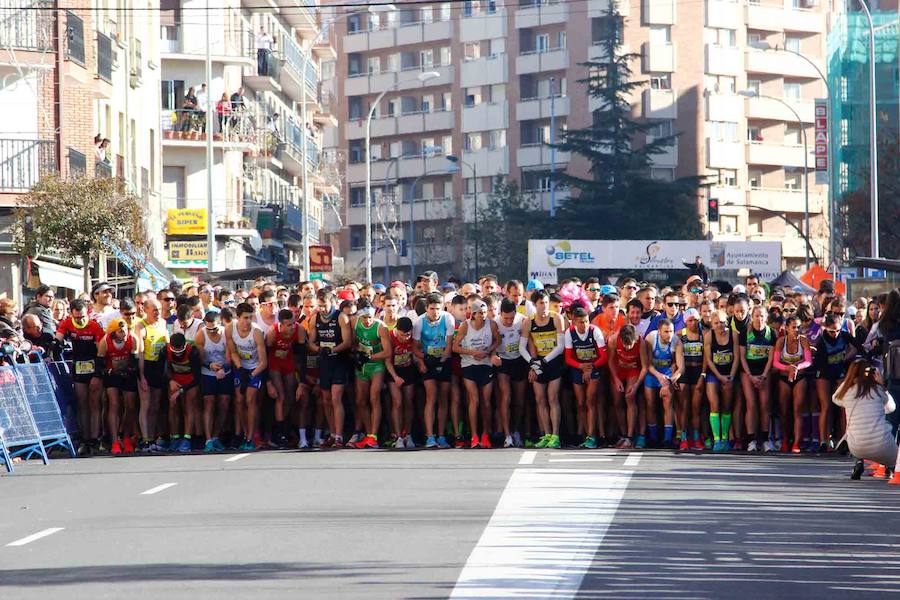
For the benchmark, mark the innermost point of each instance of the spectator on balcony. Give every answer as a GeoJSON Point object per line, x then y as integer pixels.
{"type": "Point", "coordinates": [237, 106]}
{"type": "Point", "coordinates": [223, 110]}
{"type": "Point", "coordinates": [188, 106]}
{"type": "Point", "coordinates": [264, 44]}
{"type": "Point", "coordinates": [202, 106]}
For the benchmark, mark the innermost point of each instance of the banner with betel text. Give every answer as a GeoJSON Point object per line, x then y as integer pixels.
{"type": "Point", "coordinates": [546, 257]}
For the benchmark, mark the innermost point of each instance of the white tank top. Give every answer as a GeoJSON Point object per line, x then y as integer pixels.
{"type": "Point", "coordinates": [261, 323]}
{"type": "Point", "coordinates": [213, 352]}
{"type": "Point", "coordinates": [190, 334]}
{"type": "Point", "coordinates": [509, 337]}
{"type": "Point", "coordinates": [246, 346]}
{"type": "Point", "coordinates": [476, 339]}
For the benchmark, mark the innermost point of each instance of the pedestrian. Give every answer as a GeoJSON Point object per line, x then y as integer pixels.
{"type": "Point", "coordinates": [264, 43]}
{"type": "Point", "coordinates": [40, 307]}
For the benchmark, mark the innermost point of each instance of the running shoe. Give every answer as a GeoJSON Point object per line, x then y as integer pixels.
{"type": "Point", "coordinates": [474, 443]}
{"type": "Point", "coordinates": [857, 471]}
{"type": "Point", "coordinates": [641, 442]}
{"type": "Point", "coordinates": [542, 443]}
{"type": "Point", "coordinates": [328, 442]}
{"type": "Point", "coordinates": [823, 448]}
{"type": "Point", "coordinates": [625, 443]}
{"type": "Point", "coordinates": [209, 447]}
{"type": "Point", "coordinates": [369, 442]}
{"type": "Point", "coordinates": [528, 443]}
{"type": "Point", "coordinates": [303, 445]}
{"type": "Point", "coordinates": [733, 445]}
{"type": "Point", "coordinates": [218, 445]}
{"type": "Point", "coordinates": [795, 449]}
{"type": "Point", "coordinates": [156, 448]}
{"type": "Point", "coordinates": [778, 445]}
{"type": "Point", "coordinates": [399, 445]}
{"type": "Point", "coordinates": [185, 446]}
{"type": "Point", "coordinates": [895, 479]}
{"type": "Point", "coordinates": [410, 444]}
{"type": "Point", "coordinates": [590, 443]}
{"type": "Point", "coordinates": [486, 441]}
{"type": "Point", "coordinates": [354, 440]}
{"type": "Point", "coordinates": [553, 442]}
{"type": "Point", "coordinates": [128, 445]}
{"type": "Point", "coordinates": [768, 446]}
{"type": "Point", "coordinates": [116, 448]}
{"type": "Point", "coordinates": [248, 446]}
{"type": "Point", "coordinates": [752, 446]}
{"type": "Point", "coordinates": [162, 444]}
{"type": "Point", "coordinates": [719, 446]}
{"type": "Point", "coordinates": [708, 443]}
{"type": "Point", "coordinates": [338, 442]}
{"type": "Point", "coordinates": [430, 442]}
{"type": "Point", "coordinates": [508, 442]}
{"type": "Point", "coordinates": [697, 445]}
{"type": "Point", "coordinates": [459, 443]}
{"type": "Point", "coordinates": [880, 472]}
{"type": "Point", "coordinates": [684, 446]}
{"type": "Point", "coordinates": [517, 440]}
{"type": "Point", "coordinates": [442, 443]}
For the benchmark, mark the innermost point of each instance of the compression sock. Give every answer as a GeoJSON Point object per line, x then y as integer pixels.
{"type": "Point", "coordinates": [667, 433]}
{"type": "Point", "coordinates": [716, 424]}
{"type": "Point", "coordinates": [301, 431]}
{"type": "Point", "coordinates": [726, 425]}
{"type": "Point", "coordinates": [652, 433]}
{"type": "Point", "coordinates": [696, 435]}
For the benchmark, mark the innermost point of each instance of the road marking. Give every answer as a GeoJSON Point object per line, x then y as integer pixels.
{"type": "Point", "coordinates": [237, 457]}
{"type": "Point", "coordinates": [632, 460]}
{"type": "Point", "coordinates": [159, 488]}
{"type": "Point", "coordinates": [528, 457]}
{"type": "Point", "coordinates": [543, 534]}
{"type": "Point", "coordinates": [35, 536]}
{"type": "Point", "coordinates": [562, 460]}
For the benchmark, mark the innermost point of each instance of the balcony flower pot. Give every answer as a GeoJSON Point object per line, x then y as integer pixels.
{"type": "Point", "coordinates": [178, 135]}
{"type": "Point", "coordinates": [168, 134]}
{"type": "Point", "coordinates": [218, 137]}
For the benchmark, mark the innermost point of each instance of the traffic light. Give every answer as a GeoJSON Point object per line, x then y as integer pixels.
{"type": "Point", "coordinates": [712, 210]}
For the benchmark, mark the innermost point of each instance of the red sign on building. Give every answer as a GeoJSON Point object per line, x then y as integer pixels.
{"type": "Point", "coordinates": [320, 259]}
{"type": "Point", "coordinates": [821, 140]}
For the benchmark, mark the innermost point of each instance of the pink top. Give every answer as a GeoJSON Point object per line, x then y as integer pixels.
{"type": "Point", "coordinates": [782, 366]}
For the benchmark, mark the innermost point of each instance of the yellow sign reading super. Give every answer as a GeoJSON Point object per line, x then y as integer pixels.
{"type": "Point", "coordinates": [186, 221]}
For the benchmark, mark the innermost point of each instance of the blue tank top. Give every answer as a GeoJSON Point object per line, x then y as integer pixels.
{"type": "Point", "coordinates": [434, 336]}
{"type": "Point", "coordinates": [663, 356]}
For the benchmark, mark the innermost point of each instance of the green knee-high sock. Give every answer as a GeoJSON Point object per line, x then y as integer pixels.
{"type": "Point", "coordinates": [715, 424]}
{"type": "Point", "coordinates": [726, 425]}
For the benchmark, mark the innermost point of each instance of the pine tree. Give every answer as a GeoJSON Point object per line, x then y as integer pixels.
{"type": "Point", "coordinates": [619, 199]}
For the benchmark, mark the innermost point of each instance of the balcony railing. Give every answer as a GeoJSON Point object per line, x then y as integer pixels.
{"type": "Point", "coordinates": [236, 126]}
{"type": "Point", "coordinates": [77, 164]}
{"type": "Point", "coordinates": [24, 162]}
{"type": "Point", "coordinates": [102, 169]}
{"type": "Point", "coordinates": [104, 57]}
{"type": "Point", "coordinates": [27, 27]}
{"type": "Point", "coordinates": [74, 38]}
{"type": "Point", "coordinates": [234, 42]}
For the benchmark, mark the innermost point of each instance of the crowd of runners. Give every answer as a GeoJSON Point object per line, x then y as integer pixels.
{"type": "Point", "coordinates": [693, 367]}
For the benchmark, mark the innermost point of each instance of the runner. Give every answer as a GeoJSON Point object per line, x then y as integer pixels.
{"type": "Point", "coordinates": [792, 357]}
{"type": "Point", "coordinates": [433, 333]}
{"type": "Point", "coordinates": [756, 345]}
{"type": "Point", "coordinates": [475, 342]}
{"type": "Point", "coordinates": [281, 341]}
{"type": "Point", "coordinates": [118, 351]}
{"type": "Point", "coordinates": [331, 337]}
{"type": "Point", "coordinates": [373, 347]}
{"type": "Point", "coordinates": [512, 373]}
{"type": "Point", "coordinates": [663, 357]}
{"type": "Point", "coordinates": [247, 348]}
{"type": "Point", "coordinates": [404, 371]}
{"type": "Point", "coordinates": [542, 346]}
{"type": "Point", "coordinates": [216, 379]}
{"type": "Point", "coordinates": [154, 336]}
{"type": "Point", "coordinates": [691, 385]}
{"type": "Point", "coordinates": [184, 365]}
{"type": "Point", "coordinates": [627, 373]}
{"type": "Point", "coordinates": [720, 346]}
{"type": "Point", "coordinates": [834, 351]}
{"type": "Point", "coordinates": [585, 354]}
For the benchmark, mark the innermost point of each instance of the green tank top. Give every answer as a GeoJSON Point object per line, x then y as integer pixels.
{"type": "Point", "coordinates": [369, 340]}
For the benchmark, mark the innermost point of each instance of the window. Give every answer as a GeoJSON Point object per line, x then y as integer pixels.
{"type": "Point", "coordinates": [753, 38]}
{"type": "Point", "coordinates": [468, 8]}
{"type": "Point", "coordinates": [754, 179]}
{"type": "Point", "coordinates": [536, 181]}
{"type": "Point", "coordinates": [661, 129]}
{"type": "Point", "coordinates": [447, 101]}
{"type": "Point", "coordinates": [792, 91]}
{"type": "Point", "coordinates": [354, 65]}
{"type": "Point", "coordinates": [498, 47]}
{"type": "Point", "coordinates": [472, 51]}
{"type": "Point", "coordinates": [374, 64]}
{"type": "Point", "coordinates": [793, 178]}
{"type": "Point", "coordinates": [473, 96]}
{"type": "Point", "coordinates": [754, 134]}
{"type": "Point", "coordinates": [498, 92]}
{"type": "Point", "coordinates": [394, 105]}
{"type": "Point", "coordinates": [792, 136]}
{"type": "Point", "coordinates": [728, 224]}
{"type": "Point", "coordinates": [498, 139]}
{"type": "Point", "coordinates": [353, 23]}
{"type": "Point", "coordinates": [446, 55]}
{"type": "Point", "coordinates": [172, 94]}
{"type": "Point", "coordinates": [473, 142]}
{"type": "Point", "coordinates": [607, 28]}
{"type": "Point", "coordinates": [723, 131]}
{"type": "Point", "coordinates": [357, 237]}
{"type": "Point", "coordinates": [542, 42]}
{"type": "Point", "coordinates": [561, 40]}
{"type": "Point", "coordinates": [447, 144]}
{"type": "Point", "coordinates": [393, 63]}
{"type": "Point", "coordinates": [357, 196]}
{"type": "Point", "coordinates": [427, 102]}
{"type": "Point", "coordinates": [329, 68]}
{"type": "Point", "coordinates": [357, 155]}
{"type": "Point", "coordinates": [426, 15]}
{"type": "Point", "coordinates": [662, 173]}
{"type": "Point", "coordinates": [354, 107]}
{"type": "Point", "coordinates": [492, 7]}
{"type": "Point", "coordinates": [845, 132]}
{"type": "Point", "coordinates": [426, 59]}
{"type": "Point", "coordinates": [661, 81]}
{"type": "Point", "coordinates": [428, 147]}
{"type": "Point", "coordinates": [660, 34]}
{"type": "Point", "coordinates": [446, 7]}
{"type": "Point", "coordinates": [755, 86]}
{"type": "Point", "coordinates": [727, 38]}
{"type": "Point", "coordinates": [728, 177]}
{"type": "Point", "coordinates": [792, 43]}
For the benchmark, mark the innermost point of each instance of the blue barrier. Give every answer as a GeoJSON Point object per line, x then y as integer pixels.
{"type": "Point", "coordinates": [41, 394]}
{"type": "Point", "coordinates": [18, 431]}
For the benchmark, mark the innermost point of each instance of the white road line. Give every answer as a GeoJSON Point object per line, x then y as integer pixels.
{"type": "Point", "coordinates": [575, 460]}
{"type": "Point", "coordinates": [159, 488]}
{"type": "Point", "coordinates": [633, 460]}
{"type": "Point", "coordinates": [35, 536]}
{"type": "Point", "coordinates": [236, 457]}
{"type": "Point", "coordinates": [543, 534]}
{"type": "Point", "coordinates": [527, 457]}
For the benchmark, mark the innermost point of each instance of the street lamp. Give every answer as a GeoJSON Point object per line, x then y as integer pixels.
{"type": "Point", "coordinates": [809, 248]}
{"type": "Point", "coordinates": [754, 94]}
{"type": "Point", "coordinates": [412, 203]}
{"type": "Point", "coordinates": [422, 77]}
{"type": "Point", "coordinates": [832, 211]}
{"type": "Point", "coordinates": [455, 159]}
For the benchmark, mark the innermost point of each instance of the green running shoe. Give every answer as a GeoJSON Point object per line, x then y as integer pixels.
{"type": "Point", "coordinates": [542, 443]}
{"type": "Point", "coordinates": [590, 442]}
{"type": "Point", "coordinates": [553, 442]}
{"type": "Point", "coordinates": [529, 443]}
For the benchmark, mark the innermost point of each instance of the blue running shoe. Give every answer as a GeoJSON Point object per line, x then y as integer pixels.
{"type": "Point", "coordinates": [641, 442]}
{"type": "Point", "coordinates": [217, 445]}
{"type": "Point", "coordinates": [184, 446]}
{"type": "Point", "coordinates": [431, 442]}
{"type": "Point", "coordinates": [209, 447]}
{"type": "Point", "coordinates": [442, 443]}
{"type": "Point", "coordinates": [719, 446]}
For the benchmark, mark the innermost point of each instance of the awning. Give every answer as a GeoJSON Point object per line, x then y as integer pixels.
{"type": "Point", "coordinates": [242, 274]}
{"type": "Point", "coordinates": [60, 276]}
{"type": "Point", "coordinates": [154, 276]}
{"type": "Point", "coordinates": [887, 265]}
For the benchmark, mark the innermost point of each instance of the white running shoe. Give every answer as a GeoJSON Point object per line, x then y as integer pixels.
{"type": "Point", "coordinates": [410, 444]}
{"type": "Point", "coordinates": [508, 442]}
{"type": "Point", "coordinates": [752, 446]}
{"type": "Point", "coordinates": [354, 439]}
{"type": "Point", "coordinates": [517, 440]}
{"type": "Point", "coordinates": [398, 445]}
{"type": "Point", "coordinates": [302, 445]}
{"type": "Point", "coordinates": [778, 445]}
{"type": "Point", "coordinates": [768, 446]}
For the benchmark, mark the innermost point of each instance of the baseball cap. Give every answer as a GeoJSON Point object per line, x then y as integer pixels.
{"type": "Point", "coordinates": [692, 313]}
{"type": "Point", "coordinates": [188, 285]}
{"type": "Point", "coordinates": [851, 311]}
{"type": "Point", "coordinates": [346, 295]}
{"type": "Point", "coordinates": [534, 284]}
{"type": "Point", "coordinates": [478, 306]}
{"type": "Point", "coordinates": [379, 288]}
{"type": "Point", "coordinates": [448, 287]}
{"type": "Point", "coordinates": [693, 278]}
{"type": "Point", "coordinates": [116, 324]}
{"type": "Point", "coordinates": [428, 275]}
{"type": "Point", "coordinates": [739, 289]}
{"type": "Point", "coordinates": [609, 290]}
{"type": "Point", "coordinates": [100, 287]}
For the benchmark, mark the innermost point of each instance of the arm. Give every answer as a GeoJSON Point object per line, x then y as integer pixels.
{"type": "Point", "coordinates": [889, 404]}
{"type": "Point", "coordinates": [457, 340]}
{"type": "Point", "coordinates": [707, 355]}
{"type": "Point", "coordinates": [386, 351]}
{"type": "Point", "coordinates": [776, 355]}
{"type": "Point", "coordinates": [313, 335]}
{"type": "Point", "coordinates": [613, 359]}
{"type": "Point", "coordinates": [735, 364]}
{"type": "Point", "coordinates": [346, 334]}
{"type": "Point", "coordinates": [560, 340]}
{"type": "Point", "coordinates": [807, 354]}
{"type": "Point", "coordinates": [230, 350]}
{"type": "Point", "coordinates": [270, 337]}
{"type": "Point", "coordinates": [196, 363]}
{"type": "Point", "coordinates": [765, 373]}
{"type": "Point", "coordinates": [495, 337]}
{"type": "Point", "coordinates": [679, 361]}
{"type": "Point", "coordinates": [261, 351]}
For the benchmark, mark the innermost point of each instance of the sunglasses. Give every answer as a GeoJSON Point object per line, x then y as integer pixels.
{"type": "Point", "coordinates": [631, 287]}
{"type": "Point", "coordinates": [593, 289]}
{"type": "Point", "coordinates": [228, 302]}
{"type": "Point", "coordinates": [673, 304]}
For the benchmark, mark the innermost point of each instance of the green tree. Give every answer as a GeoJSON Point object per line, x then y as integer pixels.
{"type": "Point", "coordinates": [619, 199]}
{"type": "Point", "coordinates": [81, 218]}
{"type": "Point", "coordinates": [506, 221]}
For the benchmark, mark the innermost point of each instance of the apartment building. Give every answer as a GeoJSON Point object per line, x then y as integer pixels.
{"type": "Point", "coordinates": [70, 74]}
{"type": "Point", "coordinates": [265, 156]}
{"type": "Point", "coordinates": [481, 82]}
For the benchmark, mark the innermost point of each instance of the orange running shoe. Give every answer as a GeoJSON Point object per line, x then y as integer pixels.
{"type": "Point", "coordinates": [368, 442]}
{"type": "Point", "coordinates": [683, 446]}
{"type": "Point", "coordinates": [474, 443]}
{"type": "Point", "coordinates": [128, 445]}
{"type": "Point", "coordinates": [116, 448]}
{"type": "Point", "coordinates": [485, 441]}
{"type": "Point", "coordinates": [880, 472]}
{"type": "Point", "coordinates": [795, 449]}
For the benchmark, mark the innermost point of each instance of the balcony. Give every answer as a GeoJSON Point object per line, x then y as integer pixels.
{"type": "Point", "coordinates": [658, 12]}
{"type": "Point", "coordinates": [540, 108]}
{"type": "Point", "coordinates": [541, 14]}
{"type": "Point", "coordinates": [188, 43]}
{"type": "Point", "coordinates": [723, 14]}
{"type": "Point", "coordinates": [723, 154]}
{"type": "Point", "coordinates": [778, 18]}
{"type": "Point", "coordinates": [668, 157]}
{"type": "Point", "coordinates": [539, 199]}
{"type": "Point", "coordinates": [533, 155]}
{"type": "Point", "coordinates": [77, 163]}
{"type": "Point", "coordinates": [658, 58]}
{"type": "Point", "coordinates": [186, 129]}
{"type": "Point", "coordinates": [725, 107]}
{"type": "Point", "coordinates": [481, 27]}
{"type": "Point", "coordinates": [75, 38]}
{"type": "Point", "coordinates": [792, 245]}
{"type": "Point", "coordinates": [487, 70]}
{"type": "Point", "coordinates": [102, 169]}
{"type": "Point", "coordinates": [723, 60]}
{"type": "Point", "coordinates": [781, 63]}
{"type": "Point", "coordinates": [786, 200]}
{"type": "Point", "coordinates": [659, 104]}
{"type": "Point", "coordinates": [367, 40]}
{"type": "Point", "coordinates": [24, 162]}
{"type": "Point", "coordinates": [727, 195]}
{"type": "Point", "coordinates": [535, 61]}
{"type": "Point", "coordinates": [767, 109]}
{"type": "Point", "coordinates": [417, 33]}
{"type": "Point", "coordinates": [778, 155]}
{"type": "Point", "coordinates": [485, 116]}
{"type": "Point", "coordinates": [599, 8]}
{"type": "Point", "coordinates": [425, 121]}
{"type": "Point", "coordinates": [488, 161]}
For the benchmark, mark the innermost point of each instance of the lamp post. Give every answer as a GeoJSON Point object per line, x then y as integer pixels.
{"type": "Point", "coordinates": [832, 210]}
{"type": "Point", "coordinates": [552, 147]}
{"type": "Point", "coordinates": [422, 77]}
{"type": "Point", "coordinates": [455, 159]}
{"type": "Point", "coordinates": [411, 245]}
{"type": "Point", "coordinates": [873, 138]}
{"type": "Point", "coordinates": [753, 94]}
{"type": "Point", "coordinates": [809, 248]}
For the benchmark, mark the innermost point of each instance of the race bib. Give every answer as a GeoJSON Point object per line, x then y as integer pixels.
{"type": "Point", "coordinates": [758, 352]}
{"type": "Point", "coordinates": [244, 355]}
{"type": "Point", "coordinates": [401, 360]}
{"type": "Point", "coordinates": [84, 367]}
{"type": "Point", "coordinates": [545, 345]}
{"type": "Point", "coordinates": [327, 345]}
{"type": "Point", "coordinates": [281, 353]}
{"type": "Point", "coordinates": [693, 349]}
{"type": "Point", "coordinates": [722, 358]}
{"type": "Point", "coordinates": [511, 348]}
{"type": "Point", "coordinates": [435, 351]}
{"type": "Point", "coordinates": [836, 359]}
{"type": "Point", "coordinates": [585, 354]}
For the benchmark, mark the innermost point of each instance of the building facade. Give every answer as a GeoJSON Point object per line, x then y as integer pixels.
{"type": "Point", "coordinates": [482, 81]}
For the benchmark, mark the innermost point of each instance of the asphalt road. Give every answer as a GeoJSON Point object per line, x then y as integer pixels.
{"type": "Point", "coordinates": [448, 524]}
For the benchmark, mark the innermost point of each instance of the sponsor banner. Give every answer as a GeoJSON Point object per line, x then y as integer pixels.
{"type": "Point", "coordinates": [182, 253]}
{"type": "Point", "coordinates": [320, 259]}
{"type": "Point", "coordinates": [545, 257]}
{"type": "Point", "coordinates": [821, 140]}
{"type": "Point", "coordinates": [186, 221]}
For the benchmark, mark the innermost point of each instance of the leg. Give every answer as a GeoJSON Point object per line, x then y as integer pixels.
{"type": "Point", "coordinates": [596, 423]}
{"type": "Point", "coordinates": [431, 391]}
{"type": "Point", "coordinates": [472, 405]}
{"type": "Point", "coordinates": [486, 391]}
{"type": "Point", "coordinates": [799, 400]}
{"type": "Point", "coordinates": [540, 402]}
{"type": "Point", "coordinates": [553, 404]}
{"type": "Point", "coordinates": [503, 402]}
{"type": "Point", "coordinates": [823, 391]}
{"type": "Point", "coordinates": [209, 407]}
{"type": "Point", "coordinates": [112, 412]}
{"type": "Point", "coordinates": [751, 397]}
{"type": "Point", "coordinates": [580, 392]}
{"type": "Point", "coordinates": [337, 410]}
{"type": "Point", "coordinates": [375, 402]}
{"type": "Point", "coordinates": [95, 394]}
